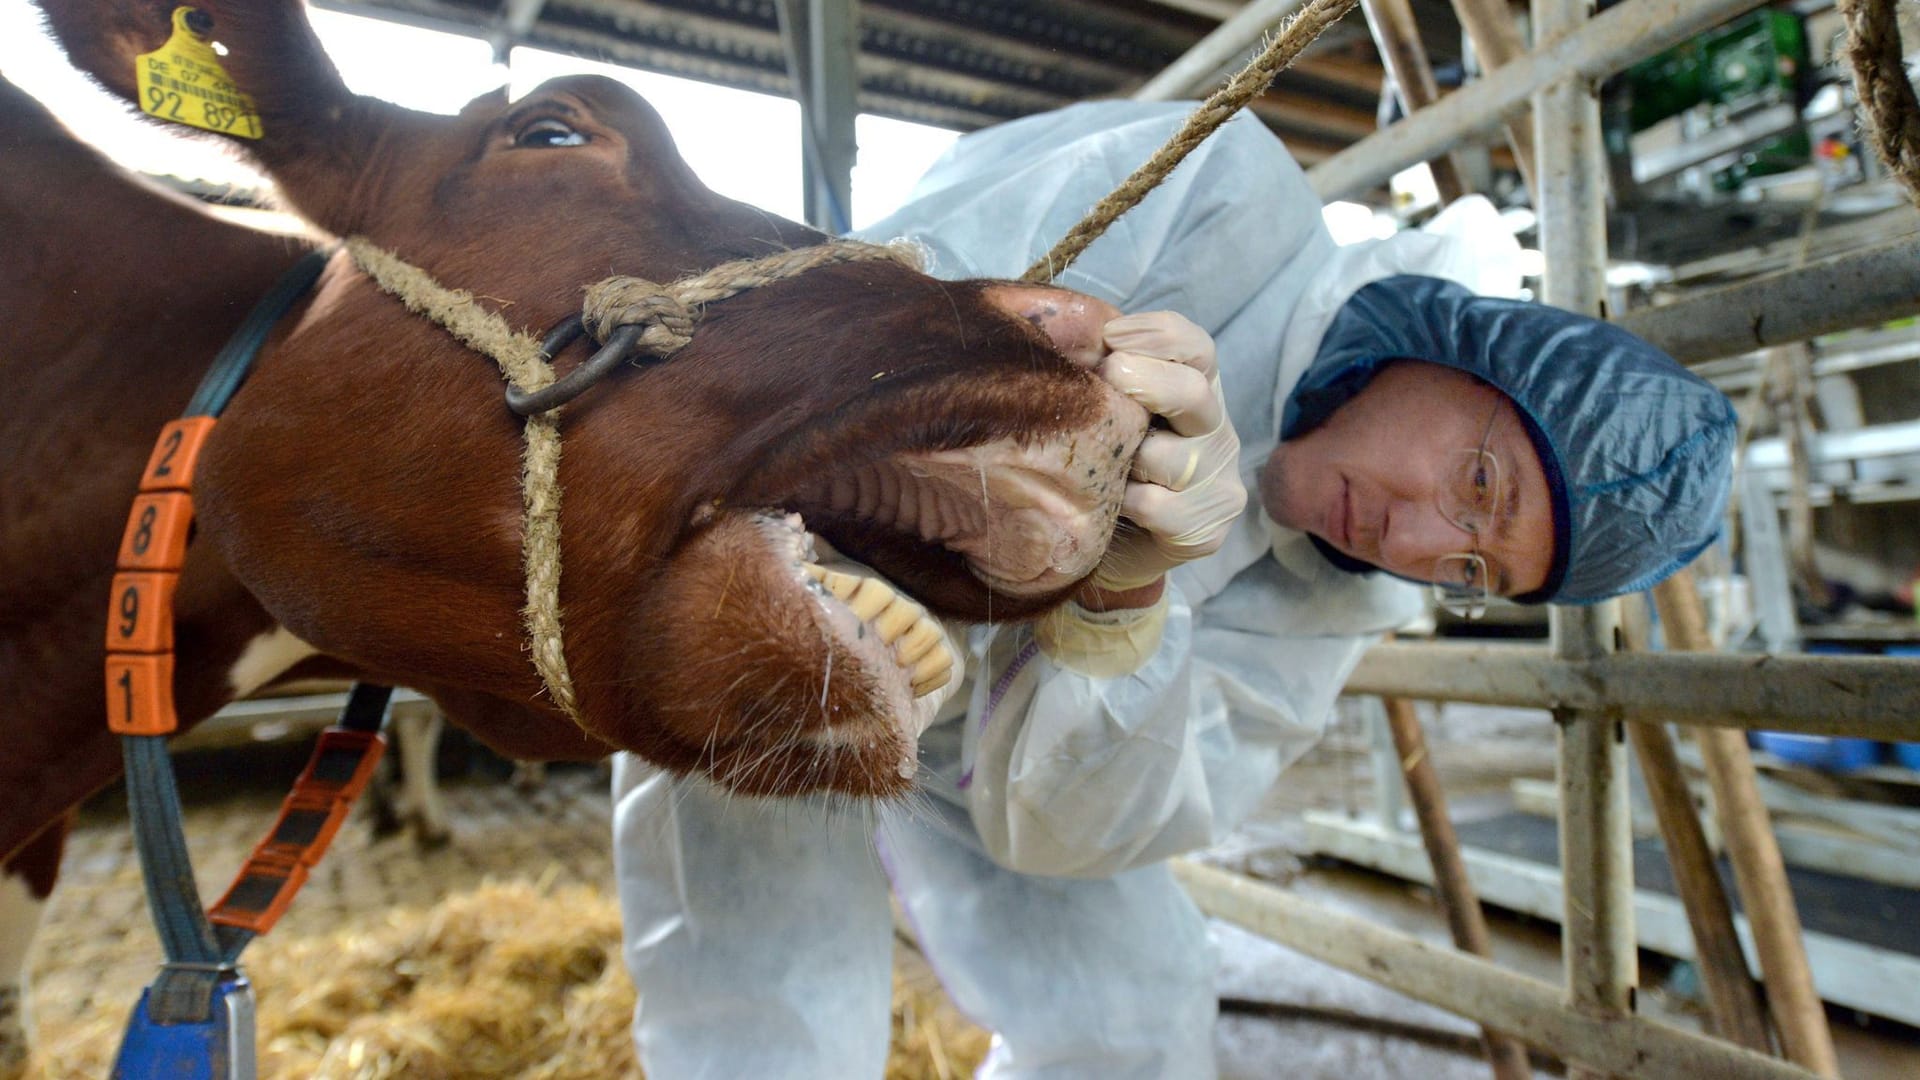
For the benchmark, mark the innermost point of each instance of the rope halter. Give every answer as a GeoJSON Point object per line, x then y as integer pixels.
{"type": "Point", "coordinates": [632, 316]}
{"type": "Point", "coordinates": [629, 315]}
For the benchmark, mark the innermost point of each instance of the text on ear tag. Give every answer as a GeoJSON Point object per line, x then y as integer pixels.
{"type": "Point", "coordinates": [183, 81]}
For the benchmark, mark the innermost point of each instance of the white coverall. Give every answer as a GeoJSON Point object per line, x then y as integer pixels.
{"type": "Point", "coordinates": [759, 932]}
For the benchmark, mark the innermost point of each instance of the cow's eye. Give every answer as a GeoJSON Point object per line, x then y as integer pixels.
{"type": "Point", "coordinates": [543, 133]}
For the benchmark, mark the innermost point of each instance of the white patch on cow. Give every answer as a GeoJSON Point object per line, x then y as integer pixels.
{"type": "Point", "coordinates": [19, 920]}
{"type": "Point", "coordinates": [266, 658]}
{"type": "Point", "coordinates": [419, 738]}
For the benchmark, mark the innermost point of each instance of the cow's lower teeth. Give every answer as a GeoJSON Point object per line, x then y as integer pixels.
{"type": "Point", "coordinates": [915, 642]}
{"type": "Point", "coordinates": [871, 598]}
{"type": "Point", "coordinates": [897, 621]}
{"type": "Point", "coordinates": [932, 672]}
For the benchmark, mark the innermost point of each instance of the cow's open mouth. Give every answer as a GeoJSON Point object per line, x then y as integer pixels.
{"type": "Point", "coordinates": [869, 616]}
{"type": "Point", "coordinates": [885, 643]}
{"type": "Point", "coordinates": [1028, 520]}
{"type": "Point", "coordinates": [888, 615]}
{"type": "Point", "coordinates": [985, 499]}
{"type": "Point", "coordinates": [997, 530]}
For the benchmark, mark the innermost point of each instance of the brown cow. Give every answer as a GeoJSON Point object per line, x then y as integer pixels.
{"type": "Point", "coordinates": [359, 501]}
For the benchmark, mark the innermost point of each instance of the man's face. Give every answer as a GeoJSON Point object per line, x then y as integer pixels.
{"type": "Point", "coordinates": [1373, 479]}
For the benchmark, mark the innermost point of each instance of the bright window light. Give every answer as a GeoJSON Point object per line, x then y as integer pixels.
{"type": "Point", "coordinates": [421, 69]}
{"type": "Point", "coordinates": [1414, 189]}
{"type": "Point", "coordinates": [741, 144]}
{"type": "Point", "coordinates": [893, 156]}
{"type": "Point", "coordinates": [1624, 274]}
{"type": "Point", "coordinates": [1352, 223]}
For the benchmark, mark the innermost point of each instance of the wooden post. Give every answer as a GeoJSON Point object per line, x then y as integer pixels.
{"type": "Point", "coordinates": [1489, 25]}
{"type": "Point", "coordinates": [1397, 36]}
{"type": "Point", "coordinates": [1786, 393]}
{"type": "Point", "coordinates": [1751, 847]}
{"type": "Point", "coordinates": [1457, 900]}
{"type": "Point", "coordinates": [1732, 1001]}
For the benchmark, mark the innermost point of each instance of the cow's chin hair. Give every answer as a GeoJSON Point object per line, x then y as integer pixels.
{"type": "Point", "coordinates": [773, 667]}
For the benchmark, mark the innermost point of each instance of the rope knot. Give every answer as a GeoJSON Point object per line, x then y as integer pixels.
{"type": "Point", "coordinates": [631, 301]}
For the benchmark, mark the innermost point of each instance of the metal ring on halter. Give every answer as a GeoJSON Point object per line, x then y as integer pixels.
{"type": "Point", "coordinates": [618, 348]}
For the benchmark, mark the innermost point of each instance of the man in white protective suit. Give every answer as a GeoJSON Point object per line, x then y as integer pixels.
{"type": "Point", "coordinates": [1394, 425]}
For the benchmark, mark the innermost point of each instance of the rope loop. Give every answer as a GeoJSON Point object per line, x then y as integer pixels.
{"type": "Point", "coordinates": [632, 301]}
{"type": "Point", "coordinates": [670, 312]}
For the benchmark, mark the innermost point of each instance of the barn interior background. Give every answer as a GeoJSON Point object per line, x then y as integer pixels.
{"type": "Point", "coordinates": [1748, 227]}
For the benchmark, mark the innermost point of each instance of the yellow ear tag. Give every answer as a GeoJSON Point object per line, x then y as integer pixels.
{"type": "Point", "coordinates": [183, 81]}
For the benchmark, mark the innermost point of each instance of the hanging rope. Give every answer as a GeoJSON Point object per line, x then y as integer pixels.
{"type": "Point", "coordinates": [1880, 79]}
{"type": "Point", "coordinates": [1249, 83]}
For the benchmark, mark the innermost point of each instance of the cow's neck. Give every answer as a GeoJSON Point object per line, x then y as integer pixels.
{"type": "Point", "coordinates": [157, 285]}
{"type": "Point", "coordinates": [133, 290]}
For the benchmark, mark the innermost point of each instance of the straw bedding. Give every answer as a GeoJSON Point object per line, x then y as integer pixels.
{"type": "Point", "coordinates": [504, 977]}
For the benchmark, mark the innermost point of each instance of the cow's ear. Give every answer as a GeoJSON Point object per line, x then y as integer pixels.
{"type": "Point", "coordinates": [307, 118]}
{"type": "Point", "coordinates": [266, 46]}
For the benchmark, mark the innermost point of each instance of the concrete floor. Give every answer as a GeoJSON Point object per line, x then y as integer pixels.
{"type": "Point", "coordinates": [97, 949]}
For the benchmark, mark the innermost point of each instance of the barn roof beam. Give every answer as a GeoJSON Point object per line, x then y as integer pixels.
{"type": "Point", "coordinates": [516, 19]}
{"type": "Point", "coordinates": [901, 70]}
{"type": "Point", "coordinates": [1218, 10]}
{"type": "Point", "coordinates": [1193, 72]}
{"type": "Point", "coordinates": [1344, 72]}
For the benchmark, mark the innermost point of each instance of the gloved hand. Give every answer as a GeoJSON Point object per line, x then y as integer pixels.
{"type": "Point", "coordinates": [1185, 489]}
{"type": "Point", "coordinates": [1102, 643]}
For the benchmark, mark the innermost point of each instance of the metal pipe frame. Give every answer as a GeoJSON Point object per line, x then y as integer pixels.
{"type": "Point", "coordinates": [1591, 687]}
{"type": "Point", "coordinates": [829, 107]}
{"type": "Point", "coordinates": [1613, 40]}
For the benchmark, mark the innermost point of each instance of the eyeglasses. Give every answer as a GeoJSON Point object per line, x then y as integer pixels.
{"type": "Point", "coordinates": [1469, 498]}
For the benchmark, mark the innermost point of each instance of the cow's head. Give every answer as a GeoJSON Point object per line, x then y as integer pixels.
{"type": "Point", "coordinates": [365, 484]}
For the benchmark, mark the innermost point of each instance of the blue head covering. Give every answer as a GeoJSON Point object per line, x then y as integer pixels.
{"type": "Point", "coordinates": [1638, 452]}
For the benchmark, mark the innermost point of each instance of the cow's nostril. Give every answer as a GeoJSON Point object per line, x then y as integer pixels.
{"type": "Point", "coordinates": [1071, 320]}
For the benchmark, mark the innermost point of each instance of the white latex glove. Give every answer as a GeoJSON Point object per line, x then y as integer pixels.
{"type": "Point", "coordinates": [1102, 643]}
{"type": "Point", "coordinates": [1184, 490]}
